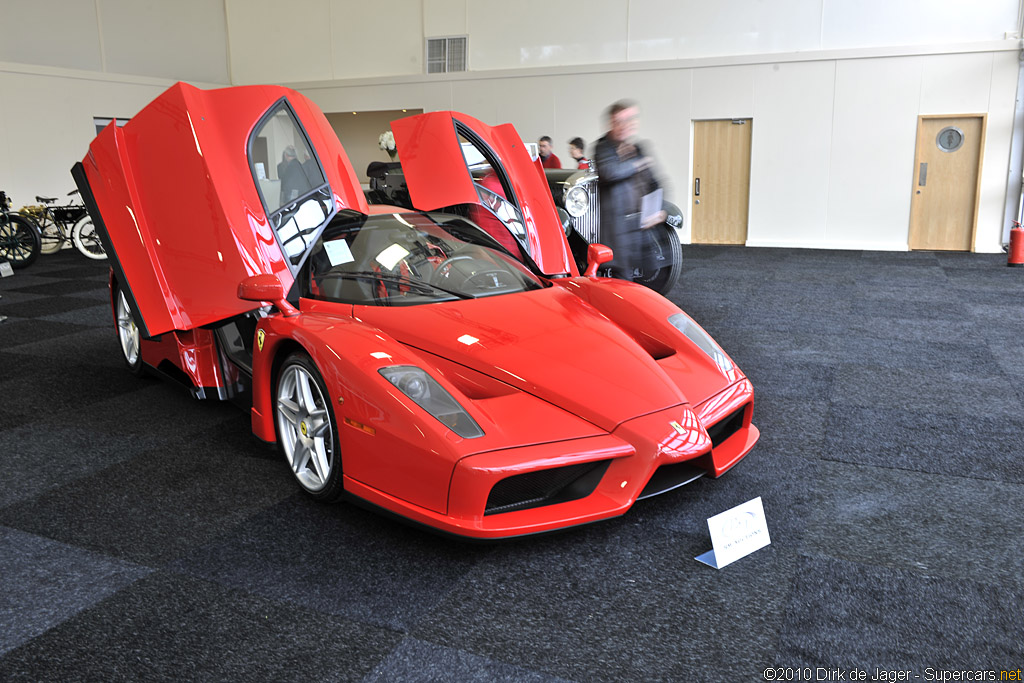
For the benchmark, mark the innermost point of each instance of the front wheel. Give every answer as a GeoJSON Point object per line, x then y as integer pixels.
{"type": "Point", "coordinates": [19, 240]}
{"type": "Point", "coordinates": [87, 240]}
{"type": "Point", "coordinates": [306, 430]}
{"type": "Point", "coordinates": [662, 259]}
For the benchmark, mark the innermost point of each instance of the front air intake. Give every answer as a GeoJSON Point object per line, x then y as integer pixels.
{"type": "Point", "coordinates": [723, 429]}
{"type": "Point", "coordinates": [545, 487]}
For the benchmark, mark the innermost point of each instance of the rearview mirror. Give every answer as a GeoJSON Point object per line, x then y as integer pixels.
{"type": "Point", "coordinates": [265, 287]}
{"type": "Point", "coordinates": [597, 255]}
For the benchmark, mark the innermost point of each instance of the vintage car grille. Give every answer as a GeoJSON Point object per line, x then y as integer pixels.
{"type": "Point", "coordinates": [589, 224]}
{"type": "Point", "coordinates": [545, 487]}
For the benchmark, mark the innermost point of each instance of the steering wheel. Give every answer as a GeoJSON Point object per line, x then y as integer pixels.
{"type": "Point", "coordinates": [441, 271]}
{"type": "Point", "coordinates": [491, 279]}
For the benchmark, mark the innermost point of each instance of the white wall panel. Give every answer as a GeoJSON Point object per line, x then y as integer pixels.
{"type": "Point", "coordinates": [956, 84]}
{"type": "Point", "coordinates": [51, 33]}
{"type": "Point", "coordinates": [868, 23]}
{"type": "Point", "coordinates": [183, 40]}
{"type": "Point", "coordinates": [996, 164]}
{"type": "Point", "coordinates": [872, 160]}
{"type": "Point", "coordinates": [275, 42]}
{"type": "Point", "coordinates": [790, 153]}
{"type": "Point", "coordinates": [369, 42]}
{"type": "Point", "coordinates": [445, 18]}
{"type": "Point", "coordinates": [676, 29]}
{"type": "Point", "coordinates": [580, 105]}
{"type": "Point", "coordinates": [543, 33]}
{"type": "Point", "coordinates": [725, 92]}
{"type": "Point", "coordinates": [425, 96]}
{"type": "Point", "coordinates": [41, 142]}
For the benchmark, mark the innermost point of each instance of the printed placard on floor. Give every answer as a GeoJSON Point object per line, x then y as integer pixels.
{"type": "Point", "coordinates": [736, 533]}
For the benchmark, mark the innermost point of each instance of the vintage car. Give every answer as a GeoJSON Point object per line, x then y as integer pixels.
{"type": "Point", "coordinates": [411, 361]}
{"type": "Point", "coordinates": [575, 195]}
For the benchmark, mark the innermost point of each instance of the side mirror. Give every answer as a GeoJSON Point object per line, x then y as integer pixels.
{"type": "Point", "coordinates": [265, 287]}
{"type": "Point", "coordinates": [597, 255]}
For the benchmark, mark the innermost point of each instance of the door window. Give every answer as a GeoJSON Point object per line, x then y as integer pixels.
{"type": "Point", "coordinates": [290, 180]}
{"type": "Point", "coordinates": [498, 213]}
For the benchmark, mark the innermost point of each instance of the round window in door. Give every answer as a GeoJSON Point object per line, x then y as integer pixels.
{"type": "Point", "coordinates": [950, 139]}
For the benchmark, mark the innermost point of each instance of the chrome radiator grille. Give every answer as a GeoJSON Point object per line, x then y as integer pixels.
{"type": "Point", "coordinates": [589, 224]}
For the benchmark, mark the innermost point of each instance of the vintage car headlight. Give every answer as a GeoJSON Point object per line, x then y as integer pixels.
{"type": "Point", "coordinates": [577, 201]}
{"type": "Point", "coordinates": [432, 397]}
{"type": "Point", "coordinates": [694, 333]}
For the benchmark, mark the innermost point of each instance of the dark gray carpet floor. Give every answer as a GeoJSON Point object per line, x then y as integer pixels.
{"type": "Point", "coordinates": [147, 536]}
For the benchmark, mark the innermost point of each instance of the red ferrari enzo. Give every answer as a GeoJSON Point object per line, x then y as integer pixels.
{"type": "Point", "coordinates": [448, 365]}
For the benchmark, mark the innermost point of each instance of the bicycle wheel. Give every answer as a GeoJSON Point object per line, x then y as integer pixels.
{"type": "Point", "coordinates": [51, 236]}
{"type": "Point", "coordinates": [87, 240]}
{"type": "Point", "coordinates": [19, 240]}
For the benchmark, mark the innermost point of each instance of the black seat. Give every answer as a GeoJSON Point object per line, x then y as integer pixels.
{"type": "Point", "coordinates": [379, 169]}
{"type": "Point", "coordinates": [45, 200]}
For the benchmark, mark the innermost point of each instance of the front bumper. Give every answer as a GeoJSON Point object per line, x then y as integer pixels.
{"type": "Point", "coordinates": [642, 457]}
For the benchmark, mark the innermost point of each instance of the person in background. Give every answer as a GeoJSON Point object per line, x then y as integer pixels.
{"type": "Point", "coordinates": [547, 158]}
{"type": "Point", "coordinates": [625, 175]}
{"type": "Point", "coordinates": [289, 172]}
{"type": "Point", "coordinates": [576, 146]}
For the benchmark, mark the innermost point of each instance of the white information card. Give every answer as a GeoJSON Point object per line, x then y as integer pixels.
{"type": "Point", "coordinates": [736, 533]}
{"type": "Point", "coordinates": [5, 269]}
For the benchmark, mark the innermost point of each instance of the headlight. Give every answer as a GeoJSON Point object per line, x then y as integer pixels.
{"type": "Point", "coordinates": [694, 333]}
{"type": "Point", "coordinates": [577, 201]}
{"type": "Point", "coordinates": [432, 397]}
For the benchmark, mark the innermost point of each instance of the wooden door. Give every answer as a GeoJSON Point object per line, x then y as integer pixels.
{"type": "Point", "coordinates": [944, 206]}
{"type": "Point", "coordinates": [721, 181]}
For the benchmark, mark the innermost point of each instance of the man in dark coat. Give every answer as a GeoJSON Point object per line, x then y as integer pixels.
{"type": "Point", "coordinates": [624, 177]}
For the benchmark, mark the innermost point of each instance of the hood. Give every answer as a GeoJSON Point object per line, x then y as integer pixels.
{"type": "Point", "coordinates": [563, 351]}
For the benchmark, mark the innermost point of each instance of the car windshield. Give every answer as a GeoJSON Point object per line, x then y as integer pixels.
{"type": "Point", "coordinates": [405, 259]}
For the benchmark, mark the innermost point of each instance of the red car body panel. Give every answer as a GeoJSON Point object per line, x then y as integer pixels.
{"type": "Point", "coordinates": [584, 372]}
{"type": "Point", "coordinates": [182, 209]}
{"type": "Point", "coordinates": [437, 175]}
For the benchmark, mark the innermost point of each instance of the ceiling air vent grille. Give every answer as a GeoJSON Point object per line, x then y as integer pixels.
{"type": "Point", "coordinates": [446, 54]}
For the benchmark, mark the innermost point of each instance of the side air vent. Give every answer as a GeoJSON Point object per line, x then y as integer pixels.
{"type": "Point", "coordinates": [545, 487]}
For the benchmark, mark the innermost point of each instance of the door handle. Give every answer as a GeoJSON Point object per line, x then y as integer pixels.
{"type": "Point", "coordinates": [922, 176]}
{"type": "Point", "coordinates": [696, 187]}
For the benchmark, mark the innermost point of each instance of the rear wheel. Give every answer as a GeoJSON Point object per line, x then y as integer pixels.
{"type": "Point", "coordinates": [306, 429]}
{"type": "Point", "coordinates": [662, 262]}
{"type": "Point", "coordinates": [19, 240]}
{"type": "Point", "coordinates": [87, 240]}
{"type": "Point", "coordinates": [50, 235]}
{"type": "Point", "coordinates": [128, 333]}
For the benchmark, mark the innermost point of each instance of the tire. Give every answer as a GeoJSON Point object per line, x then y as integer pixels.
{"type": "Point", "coordinates": [662, 259]}
{"type": "Point", "coordinates": [87, 240]}
{"type": "Point", "coordinates": [306, 429]}
{"type": "Point", "coordinates": [19, 240]}
{"type": "Point", "coordinates": [51, 236]}
{"type": "Point", "coordinates": [128, 335]}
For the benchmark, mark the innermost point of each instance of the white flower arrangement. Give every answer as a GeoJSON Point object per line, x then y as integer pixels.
{"type": "Point", "coordinates": [386, 141]}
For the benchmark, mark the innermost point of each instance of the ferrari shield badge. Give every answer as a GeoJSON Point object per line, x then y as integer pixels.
{"type": "Point", "coordinates": [260, 336]}
{"type": "Point", "coordinates": [675, 425]}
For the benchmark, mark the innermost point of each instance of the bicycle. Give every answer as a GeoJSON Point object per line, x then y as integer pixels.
{"type": "Point", "coordinates": [54, 230]}
{"type": "Point", "coordinates": [20, 241]}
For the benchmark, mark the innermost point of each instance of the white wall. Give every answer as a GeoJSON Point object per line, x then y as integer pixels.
{"type": "Point", "coordinates": [834, 88]}
{"type": "Point", "coordinates": [63, 63]}
{"type": "Point", "coordinates": [833, 139]}
{"type": "Point", "coordinates": [305, 40]}
{"type": "Point", "coordinates": [51, 126]}
{"type": "Point", "coordinates": [181, 40]}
